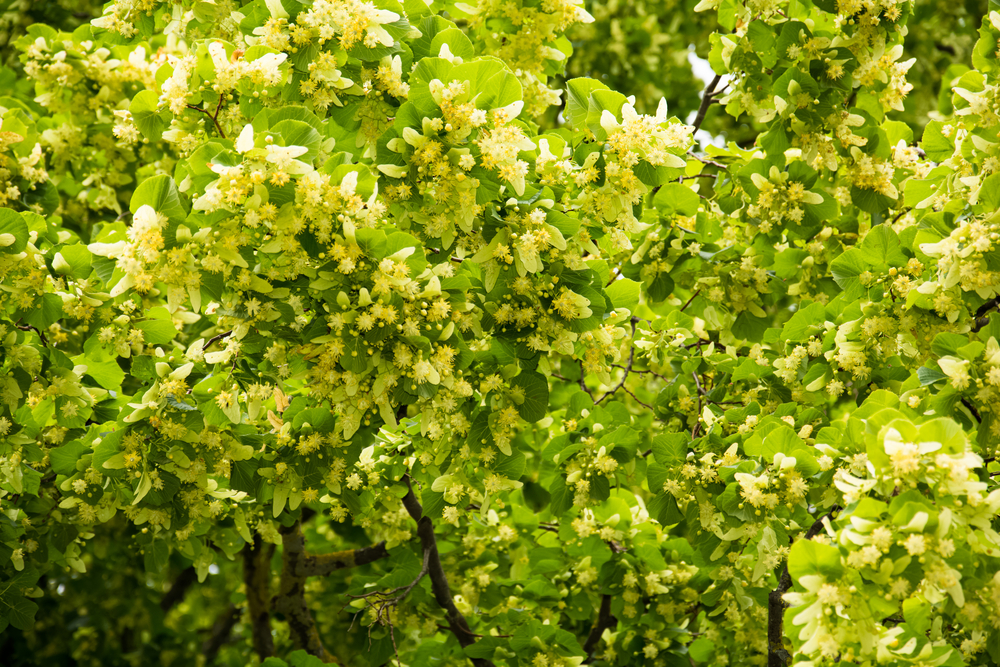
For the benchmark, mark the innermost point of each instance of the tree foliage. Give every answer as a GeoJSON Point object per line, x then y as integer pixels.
{"type": "Point", "coordinates": [425, 333]}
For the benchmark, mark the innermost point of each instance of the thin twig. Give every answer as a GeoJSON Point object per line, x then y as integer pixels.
{"type": "Point", "coordinates": [215, 339]}
{"type": "Point", "coordinates": [696, 293]}
{"type": "Point", "coordinates": [583, 384]}
{"type": "Point", "coordinates": [215, 117]}
{"type": "Point", "coordinates": [28, 327]}
{"type": "Point", "coordinates": [706, 100]}
{"type": "Point", "coordinates": [628, 368]}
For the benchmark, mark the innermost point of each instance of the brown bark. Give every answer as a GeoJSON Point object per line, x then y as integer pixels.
{"type": "Point", "coordinates": [291, 599]}
{"type": "Point", "coordinates": [439, 582]}
{"type": "Point", "coordinates": [257, 580]}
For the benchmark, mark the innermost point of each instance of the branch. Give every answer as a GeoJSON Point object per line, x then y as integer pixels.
{"type": "Point", "coordinates": [320, 565]}
{"type": "Point", "coordinates": [215, 117]}
{"type": "Point", "coordinates": [706, 99]}
{"type": "Point", "coordinates": [975, 414]}
{"type": "Point", "coordinates": [684, 307]}
{"type": "Point", "coordinates": [628, 369]}
{"type": "Point", "coordinates": [439, 582]}
{"type": "Point", "coordinates": [604, 621]}
{"type": "Point", "coordinates": [291, 599]}
{"type": "Point", "coordinates": [257, 578]}
{"type": "Point", "coordinates": [28, 327]}
{"type": "Point", "coordinates": [221, 631]}
{"type": "Point", "coordinates": [177, 590]}
{"type": "Point", "coordinates": [777, 656]}
{"type": "Point", "coordinates": [215, 339]}
{"type": "Point", "coordinates": [383, 602]}
{"type": "Point", "coordinates": [583, 384]}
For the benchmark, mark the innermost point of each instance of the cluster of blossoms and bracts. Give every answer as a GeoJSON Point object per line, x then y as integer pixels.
{"type": "Point", "coordinates": [381, 273]}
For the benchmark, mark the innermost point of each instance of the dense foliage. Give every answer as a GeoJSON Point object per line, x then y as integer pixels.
{"type": "Point", "coordinates": [425, 333]}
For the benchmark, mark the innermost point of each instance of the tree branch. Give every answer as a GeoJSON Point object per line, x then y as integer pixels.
{"type": "Point", "coordinates": [706, 100]}
{"type": "Point", "coordinates": [439, 582]}
{"type": "Point", "coordinates": [777, 656]}
{"type": "Point", "coordinates": [177, 590]}
{"type": "Point", "coordinates": [320, 565]}
{"type": "Point", "coordinates": [628, 368]}
{"type": "Point", "coordinates": [604, 621]}
{"type": "Point", "coordinates": [221, 631]}
{"type": "Point", "coordinates": [257, 579]}
{"type": "Point", "coordinates": [215, 339]}
{"type": "Point", "coordinates": [214, 117]}
{"type": "Point", "coordinates": [291, 600]}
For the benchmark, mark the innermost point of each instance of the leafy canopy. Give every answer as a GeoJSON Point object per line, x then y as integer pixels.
{"type": "Point", "coordinates": [424, 333]}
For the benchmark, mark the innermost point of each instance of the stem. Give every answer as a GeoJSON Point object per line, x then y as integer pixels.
{"type": "Point", "coordinates": [706, 100]}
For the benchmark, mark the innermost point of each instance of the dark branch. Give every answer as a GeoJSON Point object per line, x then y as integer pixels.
{"type": "Point", "coordinates": [604, 621]}
{"type": "Point", "coordinates": [215, 339]}
{"type": "Point", "coordinates": [439, 582]}
{"type": "Point", "coordinates": [706, 100]}
{"type": "Point", "coordinates": [28, 327]}
{"type": "Point", "coordinates": [221, 631]}
{"type": "Point", "coordinates": [257, 579]}
{"type": "Point", "coordinates": [684, 307]}
{"type": "Point", "coordinates": [291, 599]}
{"type": "Point", "coordinates": [777, 656]}
{"type": "Point", "coordinates": [177, 590]}
{"type": "Point", "coordinates": [214, 117]}
{"type": "Point", "coordinates": [320, 565]}
{"type": "Point", "coordinates": [628, 367]}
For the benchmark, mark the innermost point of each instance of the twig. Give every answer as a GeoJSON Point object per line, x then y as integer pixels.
{"type": "Point", "coordinates": [697, 383]}
{"type": "Point", "coordinates": [615, 274]}
{"type": "Point", "coordinates": [257, 580]}
{"type": "Point", "coordinates": [604, 621]}
{"type": "Point", "coordinates": [439, 581]}
{"type": "Point", "coordinates": [706, 100]}
{"type": "Point", "coordinates": [777, 656]}
{"type": "Point", "coordinates": [684, 307]}
{"type": "Point", "coordinates": [320, 565]}
{"type": "Point", "coordinates": [215, 339]}
{"type": "Point", "coordinates": [628, 369]}
{"type": "Point", "coordinates": [28, 327]}
{"type": "Point", "coordinates": [636, 398]}
{"type": "Point", "coordinates": [214, 117]}
{"type": "Point", "coordinates": [705, 160]}
{"type": "Point", "coordinates": [583, 384]}
{"type": "Point", "coordinates": [385, 602]}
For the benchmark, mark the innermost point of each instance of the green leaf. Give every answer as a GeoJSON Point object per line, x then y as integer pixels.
{"type": "Point", "coordinates": [160, 192]}
{"type": "Point", "coordinates": [156, 332]}
{"type": "Point", "coordinates": [13, 232]}
{"type": "Point", "coordinates": [536, 395]}
{"type": "Point", "coordinates": [881, 247]}
{"type": "Point", "coordinates": [676, 199]}
{"type": "Point", "coordinates": [624, 293]}
{"type": "Point", "coordinates": [578, 100]}
{"type": "Point", "coordinates": [146, 116]}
